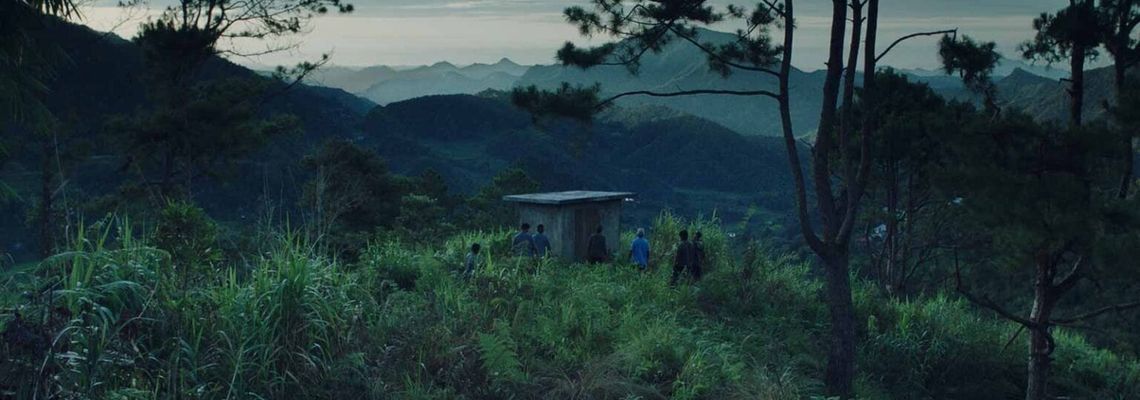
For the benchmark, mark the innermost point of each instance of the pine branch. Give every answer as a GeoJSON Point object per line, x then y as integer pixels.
{"type": "Point", "coordinates": [1073, 277]}
{"type": "Point", "coordinates": [1096, 313]}
{"type": "Point", "coordinates": [912, 36]}
{"type": "Point", "coordinates": [712, 53]}
{"type": "Point", "coordinates": [985, 302]}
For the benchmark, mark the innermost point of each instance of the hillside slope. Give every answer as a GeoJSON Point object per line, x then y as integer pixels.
{"type": "Point", "coordinates": [676, 161]}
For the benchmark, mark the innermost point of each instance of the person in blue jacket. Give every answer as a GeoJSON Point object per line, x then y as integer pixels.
{"type": "Point", "coordinates": [639, 251]}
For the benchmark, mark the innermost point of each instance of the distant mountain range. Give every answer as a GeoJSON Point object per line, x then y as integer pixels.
{"type": "Point", "coordinates": [1005, 67]}
{"type": "Point", "coordinates": [384, 84]}
{"type": "Point", "coordinates": [1034, 89]}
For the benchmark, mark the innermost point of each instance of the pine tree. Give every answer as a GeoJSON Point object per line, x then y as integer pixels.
{"type": "Point", "coordinates": [841, 158]}
{"type": "Point", "coordinates": [180, 139]}
{"type": "Point", "coordinates": [1118, 21]}
{"type": "Point", "coordinates": [1071, 34]}
{"type": "Point", "coordinates": [1044, 195]}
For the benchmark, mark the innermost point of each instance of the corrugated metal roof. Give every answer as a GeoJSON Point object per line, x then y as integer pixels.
{"type": "Point", "coordinates": [570, 197]}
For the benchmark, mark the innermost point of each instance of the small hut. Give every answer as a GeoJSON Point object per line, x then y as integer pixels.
{"type": "Point", "coordinates": [571, 217]}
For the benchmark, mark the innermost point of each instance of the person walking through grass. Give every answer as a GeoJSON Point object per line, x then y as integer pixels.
{"type": "Point", "coordinates": [472, 259]}
{"type": "Point", "coordinates": [596, 251]}
{"type": "Point", "coordinates": [696, 268]}
{"type": "Point", "coordinates": [639, 251]}
{"type": "Point", "coordinates": [541, 242]}
{"type": "Point", "coordinates": [523, 243]}
{"type": "Point", "coordinates": [683, 257]}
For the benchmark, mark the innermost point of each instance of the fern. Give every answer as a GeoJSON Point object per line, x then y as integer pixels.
{"type": "Point", "coordinates": [499, 358]}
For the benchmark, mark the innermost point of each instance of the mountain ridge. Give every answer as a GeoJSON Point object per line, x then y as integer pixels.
{"type": "Point", "coordinates": [679, 66]}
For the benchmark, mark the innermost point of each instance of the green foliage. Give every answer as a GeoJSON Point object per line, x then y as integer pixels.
{"type": "Point", "coordinates": [190, 31]}
{"type": "Point", "coordinates": [403, 323]}
{"type": "Point", "coordinates": [499, 358]}
{"type": "Point", "coordinates": [938, 348]}
{"type": "Point", "coordinates": [198, 123]}
{"type": "Point", "coordinates": [172, 51]}
{"type": "Point", "coordinates": [645, 28]}
{"type": "Point", "coordinates": [487, 206]}
{"type": "Point", "coordinates": [974, 62]}
{"type": "Point", "coordinates": [581, 103]}
{"type": "Point", "coordinates": [1090, 372]}
{"type": "Point", "coordinates": [1075, 27]}
{"type": "Point", "coordinates": [422, 219]}
{"type": "Point", "coordinates": [191, 237]}
{"type": "Point", "coordinates": [431, 183]}
{"type": "Point", "coordinates": [351, 195]}
{"type": "Point", "coordinates": [392, 263]}
{"type": "Point", "coordinates": [907, 219]}
{"type": "Point", "coordinates": [1117, 17]}
{"type": "Point", "coordinates": [202, 132]}
{"type": "Point", "coordinates": [26, 61]}
{"type": "Point", "coordinates": [100, 289]}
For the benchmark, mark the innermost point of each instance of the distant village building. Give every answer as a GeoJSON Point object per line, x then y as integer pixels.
{"type": "Point", "coordinates": [571, 217]}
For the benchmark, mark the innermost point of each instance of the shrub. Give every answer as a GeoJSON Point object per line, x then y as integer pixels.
{"type": "Point", "coordinates": [191, 237]}
{"type": "Point", "coordinates": [938, 348]}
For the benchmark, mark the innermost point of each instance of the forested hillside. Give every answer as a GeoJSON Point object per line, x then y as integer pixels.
{"type": "Point", "coordinates": [468, 139]}
{"type": "Point", "coordinates": [176, 226]}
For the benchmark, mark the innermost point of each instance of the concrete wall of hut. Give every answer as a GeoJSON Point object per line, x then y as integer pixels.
{"type": "Point", "coordinates": [569, 226]}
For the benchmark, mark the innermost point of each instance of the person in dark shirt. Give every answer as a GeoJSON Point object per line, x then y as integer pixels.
{"type": "Point", "coordinates": [541, 242]}
{"type": "Point", "coordinates": [683, 258]}
{"type": "Point", "coordinates": [596, 251]}
{"type": "Point", "coordinates": [472, 260]}
{"type": "Point", "coordinates": [523, 244]}
{"type": "Point", "coordinates": [696, 269]}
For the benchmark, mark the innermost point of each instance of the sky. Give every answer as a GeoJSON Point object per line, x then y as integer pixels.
{"type": "Point", "coordinates": [419, 32]}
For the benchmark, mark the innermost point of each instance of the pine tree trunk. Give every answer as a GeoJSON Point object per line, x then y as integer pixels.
{"type": "Point", "coordinates": [1128, 151]}
{"type": "Point", "coordinates": [47, 203]}
{"type": "Point", "coordinates": [1039, 363]}
{"type": "Point", "coordinates": [1077, 88]}
{"type": "Point", "coordinates": [1129, 167]}
{"type": "Point", "coordinates": [1040, 341]}
{"type": "Point", "coordinates": [894, 276]}
{"type": "Point", "coordinates": [841, 352]}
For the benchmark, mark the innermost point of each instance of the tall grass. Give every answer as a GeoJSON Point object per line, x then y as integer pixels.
{"type": "Point", "coordinates": [118, 321]}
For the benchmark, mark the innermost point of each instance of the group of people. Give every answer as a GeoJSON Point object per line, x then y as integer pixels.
{"type": "Point", "coordinates": [689, 256]}
{"type": "Point", "coordinates": [526, 245]}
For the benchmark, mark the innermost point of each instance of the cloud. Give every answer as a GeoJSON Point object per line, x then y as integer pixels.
{"type": "Point", "coordinates": [529, 31]}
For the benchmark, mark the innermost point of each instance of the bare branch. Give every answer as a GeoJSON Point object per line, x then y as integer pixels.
{"type": "Point", "coordinates": [772, 6]}
{"type": "Point", "coordinates": [1096, 313]}
{"type": "Point", "coordinates": [1013, 337]}
{"type": "Point", "coordinates": [985, 302]}
{"type": "Point", "coordinates": [912, 36]}
{"type": "Point", "coordinates": [1073, 278]}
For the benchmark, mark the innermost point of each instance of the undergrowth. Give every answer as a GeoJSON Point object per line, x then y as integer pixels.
{"type": "Point", "coordinates": [116, 318]}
